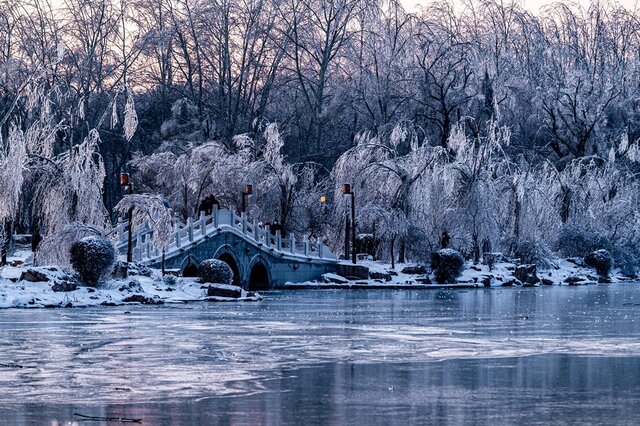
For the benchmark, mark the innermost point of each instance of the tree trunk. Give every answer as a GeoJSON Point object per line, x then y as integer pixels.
{"type": "Point", "coordinates": [4, 250]}
{"type": "Point", "coordinates": [347, 233]}
{"type": "Point", "coordinates": [516, 225]}
{"type": "Point", "coordinates": [393, 265]}
{"type": "Point", "coordinates": [402, 251]}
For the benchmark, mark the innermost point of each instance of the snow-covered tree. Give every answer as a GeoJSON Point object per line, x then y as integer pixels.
{"type": "Point", "coordinates": [152, 211]}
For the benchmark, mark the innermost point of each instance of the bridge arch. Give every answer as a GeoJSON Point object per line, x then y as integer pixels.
{"type": "Point", "coordinates": [259, 277]}
{"type": "Point", "coordinates": [190, 266]}
{"type": "Point", "coordinates": [227, 255]}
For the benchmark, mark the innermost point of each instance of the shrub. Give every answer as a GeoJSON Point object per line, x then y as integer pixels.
{"type": "Point", "coordinates": [627, 258]}
{"type": "Point", "coordinates": [447, 265]}
{"type": "Point", "coordinates": [215, 271]}
{"type": "Point", "coordinates": [93, 258]}
{"type": "Point", "coordinates": [529, 252]}
{"type": "Point", "coordinates": [601, 261]}
{"type": "Point", "coordinates": [574, 242]}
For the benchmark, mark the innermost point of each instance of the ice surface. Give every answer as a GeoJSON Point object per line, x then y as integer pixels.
{"type": "Point", "coordinates": [197, 350]}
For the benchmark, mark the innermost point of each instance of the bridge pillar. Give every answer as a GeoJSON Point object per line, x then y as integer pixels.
{"type": "Point", "coordinates": [267, 235]}
{"type": "Point", "coordinates": [214, 216]}
{"type": "Point", "coordinates": [245, 224]}
{"type": "Point", "coordinates": [190, 229]}
{"type": "Point", "coordinates": [203, 224]}
{"type": "Point", "coordinates": [176, 231]}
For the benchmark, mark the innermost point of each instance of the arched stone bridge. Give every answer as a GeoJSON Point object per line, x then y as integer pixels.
{"type": "Point", "coordinates": [259, 260]}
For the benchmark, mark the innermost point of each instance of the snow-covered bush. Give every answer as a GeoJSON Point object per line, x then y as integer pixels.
{"type": "Point", "coordinates": [215, 271]}
{"type": "Point", "coordinates": [92, 258]}
{"type": "Point", "coordinates": [447, 265]}
{"type": "Point", "coordinates": [529, 252]}
{"type": "Point", "coordinates": [600, 260]}
{"type": "Point", "coordinates": [573, 242]}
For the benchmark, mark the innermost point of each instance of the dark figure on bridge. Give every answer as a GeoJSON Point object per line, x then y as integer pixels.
{"type": "Point", "coordinates": [275, 226]}
{"type": "Point", "coordinates": [445, 240]}
{"type": "Point", "coordinates": [206, 205]}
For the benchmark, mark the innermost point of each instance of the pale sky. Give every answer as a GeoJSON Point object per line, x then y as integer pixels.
{"type": "Point", "coordinates": [533, 5]}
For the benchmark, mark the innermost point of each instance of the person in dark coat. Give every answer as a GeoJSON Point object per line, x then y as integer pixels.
{"type": "Point", "coordinates": [445, 240]}
{"type": "Point", "coordinates": [275, 226]}
{"type": "Point", "coordinates": [206, 205]}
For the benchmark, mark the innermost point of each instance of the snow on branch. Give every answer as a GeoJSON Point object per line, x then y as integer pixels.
{"type": "Point", "coordinates": [130, 117]}
{"type": "Point", "coordinates": [55, 247]}
{"type": "Point", "coordinates": [152, 209]}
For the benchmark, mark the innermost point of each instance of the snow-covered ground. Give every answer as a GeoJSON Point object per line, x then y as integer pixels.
{"type": "Point", "coordinates": [150, 288]}
{"type": "Point", "coordinates": [565, 272]}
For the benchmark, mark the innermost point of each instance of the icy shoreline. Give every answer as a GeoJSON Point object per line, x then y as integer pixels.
{"type": "Point", "coordinates": [59, 292]}
{"type": "Point", "coordinates": [381, 276]}
{"type": "Point", "coordinates": [51, 287]}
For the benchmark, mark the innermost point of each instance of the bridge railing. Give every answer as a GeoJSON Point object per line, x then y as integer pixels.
{"type": "Point", "coordinates": [196, 231]}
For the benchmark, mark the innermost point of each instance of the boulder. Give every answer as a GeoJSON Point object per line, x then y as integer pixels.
{"type": "Point", "coordinates": [547, 281]}
{"type": "Point", "coordinates": [120, 270]}
{"type": "Point", "coordinates": [526, 274]}
{"type": "Point", "coordinates": [61, 286]}
{"type": "Point", "coordinates": [575, 280]}
{"type": "Point", "coordinates": [380, 276]}
{"type": "Point", "coordinates": [139, 298]}
{"type": "Point", "coordinates": [352, 271]}
{"type": "Point", "coordinates": [604, 280]}
{"type": "Point", "coordinates": [447, 265]}
{"type": "Point", "coordinates": [415, 270]}
{"type": "Point", "coordinates": [486, 280]}
{"type": "Point", "coordinates": [131, 287]}
{"type": "Point", "coordinates": [138, 269]}
{"type": "Point", "coordinates": [334, 279]}
{"type": "Point", "coordinates": [601, 261]}
{"type": "Point", "coordinates": [34, 276]}
{"type": "Point", "coordinates": [512, 282]}
{"type": "Point", "coordinates": [224, 290]}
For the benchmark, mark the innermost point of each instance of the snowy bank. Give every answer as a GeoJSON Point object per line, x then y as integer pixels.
{"type": "Point", "coordinates": [371, 274]}
{"type": "Point", "coordinates": [50, 287]}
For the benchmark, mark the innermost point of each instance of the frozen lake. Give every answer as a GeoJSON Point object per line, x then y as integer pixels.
{"type": "Point", "coordinates": [567, 355]}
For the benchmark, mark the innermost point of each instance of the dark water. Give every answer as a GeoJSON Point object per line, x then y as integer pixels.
{"type": "Point", "coordinates": [558, 355]}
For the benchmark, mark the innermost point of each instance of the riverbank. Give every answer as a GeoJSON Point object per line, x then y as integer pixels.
{"type": "Point", "coordinates": [376, 275]}
{"type": "Point", "coordinates": [51, 287]}
{"type": "Point", "coordinates": [23, 286]}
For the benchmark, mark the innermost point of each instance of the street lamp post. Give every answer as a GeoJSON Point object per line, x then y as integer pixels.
{"type": "Point", "coordinates": [248, 190]}
{"type": "Point", "coordinates": [346, 190]}
{"type": "Point", "coordinates": [124, 181]}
